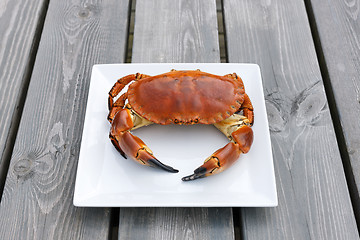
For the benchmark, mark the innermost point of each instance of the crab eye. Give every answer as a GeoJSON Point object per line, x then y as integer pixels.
{"type": "Point", "coordinates": [196, 120]}
{"type": "Point", "coordinates": [176, 121]}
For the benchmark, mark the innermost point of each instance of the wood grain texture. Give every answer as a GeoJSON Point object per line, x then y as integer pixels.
{"type": "Point", "coordinates": [175, 223]}
{"type": "Point", "coordinates": [338, 28]}
{"type": "Point", "coordinates": [313, 197]}
{"type": "Point", "coordinates": [38, 195]}
{"type": "Point", "coordinates": [176, 31]}
{"type": "Point", "coordinates": [19, 25]}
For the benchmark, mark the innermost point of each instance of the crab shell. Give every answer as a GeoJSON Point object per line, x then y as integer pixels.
{"type": "Point", "coordinates": [186, 97]}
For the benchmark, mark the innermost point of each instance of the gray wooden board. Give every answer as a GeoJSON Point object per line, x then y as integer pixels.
{"type": "Point", "coordinates": [175, 31]}
{"type": "Point", "coordinates": [38, 194]}
{"type": "Point", "coordinates": [19, 23]}
{"type": "Point", "coordinates": [313, 197]}
{"type": "Point", "coordinates": [176, 223]}
{"type": "Point", "coordinates": [338, 27]}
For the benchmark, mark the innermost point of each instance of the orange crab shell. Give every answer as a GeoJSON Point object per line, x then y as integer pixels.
{"type": "Point", "coordinates": [186, 97]}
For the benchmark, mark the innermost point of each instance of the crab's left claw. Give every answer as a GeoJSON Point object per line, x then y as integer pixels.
{"type": "Point", "coordinates": [226, 156]}
{"type": "Point", "coordinates": [217, 162]}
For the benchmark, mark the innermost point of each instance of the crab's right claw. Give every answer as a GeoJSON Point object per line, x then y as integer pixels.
{"type": "Point", "coordinates": [226, 156]}
{"type": "Point", "coordinates": [137, 150]}
{"type": "Point", "coordinates": [132, 146]}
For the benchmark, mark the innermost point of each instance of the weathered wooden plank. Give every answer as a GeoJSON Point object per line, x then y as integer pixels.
{"type": "Point", "coordinates": [338, 28]}
{"type": "Point", "coordinates": [176, 223]}
{"type": "Point", "coordinates": [37, 199]}
{"type": "Point", "coordinates": [20, 22]}
{"type": "Point", "coordinates": [314, 201]}
{"type": "Point", "coordinates": [185, 31]}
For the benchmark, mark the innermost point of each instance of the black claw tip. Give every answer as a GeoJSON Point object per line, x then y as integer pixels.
{"type": "Point", "coordinates": [198, 173]}
{"type": "Point", "coordinates": [123, 154]}
{"type": "Point", "coordinates": [192, 177]}
{"type": "Point", "coordinates": [200, 170]}
{"type": "Point", "coordinates": [156, 163]}
{"type": "Point", "coordinates": [116, 145]}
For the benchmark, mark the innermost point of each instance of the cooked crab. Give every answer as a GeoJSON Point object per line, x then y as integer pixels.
{"type": "Point", "coordinates": [182, 97]}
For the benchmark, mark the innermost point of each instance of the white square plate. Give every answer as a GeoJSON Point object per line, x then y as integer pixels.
{"type": "Point", "coordinates": [106, 179]}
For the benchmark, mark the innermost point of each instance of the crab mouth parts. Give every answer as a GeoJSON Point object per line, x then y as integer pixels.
{"type": "Point", "coordinates": [190, 122]}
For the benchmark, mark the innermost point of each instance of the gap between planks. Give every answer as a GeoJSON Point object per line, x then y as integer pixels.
{"type": "Point", "coordinates": [238, 232]}
{"type": "Point", "coordinates": [221, 31]}
{"type": "Point", "coordinates": [130, 31]}
{"type": "Point", "coordinates": [350, 180]}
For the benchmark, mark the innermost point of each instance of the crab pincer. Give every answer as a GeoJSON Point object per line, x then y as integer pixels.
{"type": "Point", "coordinates": [129, 145]}
{"type": "Point", "coordinates": [223, 158]}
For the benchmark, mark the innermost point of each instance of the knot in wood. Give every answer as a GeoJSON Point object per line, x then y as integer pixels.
{"type": "Point", "coordinates": [354, 148]}
{"type": "Point", "coordinates": [23, 167]}
{"type": "Point", "coordinates": [83, 13]}
{"type": "Point", "coordinates": [87, 11]}
{"type": "Point", "coordinates": [309, 106]}
{"type": "Point", "coordinates": [276, 116]}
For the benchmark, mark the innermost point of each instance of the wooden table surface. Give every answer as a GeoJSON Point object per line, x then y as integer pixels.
{"type": "Point", "coordinates": [309, 55]}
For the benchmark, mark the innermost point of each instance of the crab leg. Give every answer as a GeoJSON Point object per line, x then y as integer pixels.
{"type": "Point", "coordinates": [116, 89]}
{"type": "Point", "coordinates": [237, 129]}
{"type": "Point", "coordinates": [246, 107]}
{"type": "Point", "coordinates": [130, 145]}
{"type": "Point", "coordinates": [122, 82]}
{"type": "Point", "coordinates": [236, 78]}
{"type": "Point", "coordinates": [119, 85]}
{"type": "Point", "coordinates": [117, 106]}
{"type": "Point", "coordinates": [248, 110]}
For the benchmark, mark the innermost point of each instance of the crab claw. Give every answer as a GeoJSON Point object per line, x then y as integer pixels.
{"type": "Point", "coordinates": [226, 156]}
{"type": "Point", "coordinates": [130, 145]}
{"type": "Point", "coordinates": [217, 162]}
{"type": "Point", "coordinates": [133, 147]}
